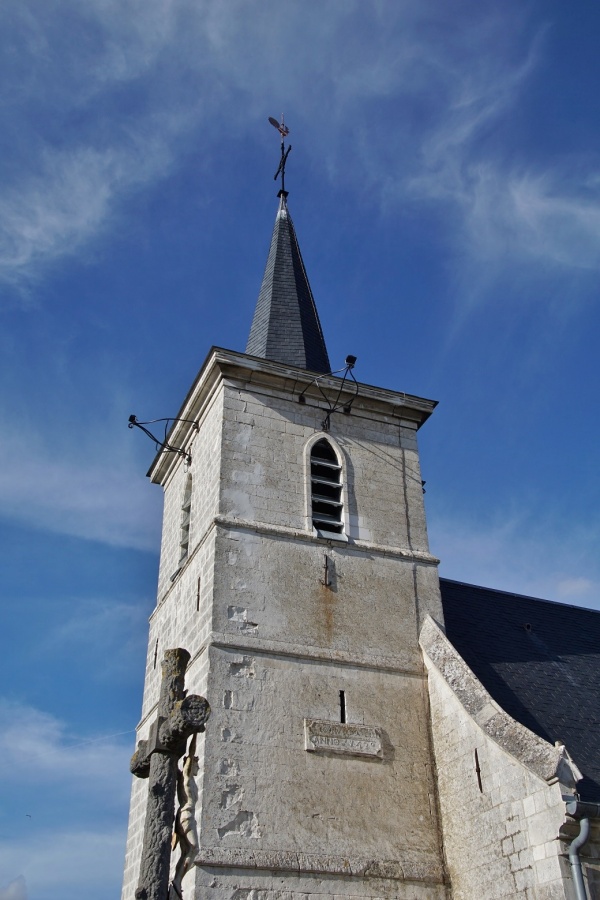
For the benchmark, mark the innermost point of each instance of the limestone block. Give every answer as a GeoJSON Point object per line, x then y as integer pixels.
{"type": "Point", "coordinates": [276, 586]}
{"type": "Point", "coordinates": [284, 794]}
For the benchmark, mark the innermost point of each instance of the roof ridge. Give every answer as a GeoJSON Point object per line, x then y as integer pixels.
{"type": "Point", "coordinates": [481, 587]}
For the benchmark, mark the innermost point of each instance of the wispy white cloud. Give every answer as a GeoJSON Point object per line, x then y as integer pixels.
{"type": "Point", "coordinates": [97, 630]}
{"type": "Point", "coordinates": [556, 218]}
{"type": "Point", "coordinates": [83, 782]}
{"type": "Point", "coordinates": [66, 491]}
{"type": "Point", "coordinates": [542, 213]}
{"type": "Point", "coordinates": [83, 147]}
{"type": "Point", "coordinates": [104, 94]}
{"type": "Point", "coordinates": [105, 98]}
{"type": "Point", "coordinates": [53, 211]}
{"type": "Point", "coordinates": [537, 218]}
{"type": "Point", "coordinates": [37, 748]}
{"type": "Point", "coordinates": [57, 862]}
{"type": "Point", "coordinates": [524, 552]}
{"type": "Point", "coordinates": [16, 890]}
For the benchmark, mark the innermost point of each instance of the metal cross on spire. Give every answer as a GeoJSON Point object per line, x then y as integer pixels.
{"type": "Point", "coordinates": [283, 131]}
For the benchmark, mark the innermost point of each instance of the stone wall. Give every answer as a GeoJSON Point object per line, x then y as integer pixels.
{"type": "Point", "coordinates": [266, 467]}
{"type": "Point", "coordinates": [183, 614]}
{"type": "Point", "coordinates": [272, 646]}
{"type": "Point", "coordinates": [501, 826]}
{"type": "Point", "coordinates": [273, 803]}
{"type": "Point", "coordinates": [205, 449]}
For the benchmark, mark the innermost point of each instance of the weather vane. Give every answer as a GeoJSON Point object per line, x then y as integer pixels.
{"type": "Point", "coordinates": [283, 131]}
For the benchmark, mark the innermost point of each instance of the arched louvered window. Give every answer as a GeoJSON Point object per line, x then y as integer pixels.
{"type": "Point", "coordinates": [326, 490]}
{"type": "Point", "coordinates": [186, 512]}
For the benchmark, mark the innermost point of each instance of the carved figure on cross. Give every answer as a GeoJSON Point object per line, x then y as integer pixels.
{"type": "Point", "coordinates": [186, 830]}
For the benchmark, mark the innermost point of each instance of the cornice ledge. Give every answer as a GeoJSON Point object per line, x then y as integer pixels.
{"type": "Point", "coordinates": [551, 764]}
{"type": "Point", "coordinates": [222, 364]}
{"type": "Point", "coordinates": [252, 644]}
{"type": "Point", "coordinates": [419, 867]}
{"type": "Point", "coordinates": [285, 531]}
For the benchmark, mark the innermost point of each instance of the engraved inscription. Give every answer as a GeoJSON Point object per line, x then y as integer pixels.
{"type": "Point", "coordinates": [337, 737]}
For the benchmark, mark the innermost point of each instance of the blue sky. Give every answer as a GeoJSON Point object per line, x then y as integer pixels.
{"type": "Point", "coordinates": [445, 187]}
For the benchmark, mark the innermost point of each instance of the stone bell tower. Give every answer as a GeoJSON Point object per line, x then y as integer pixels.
{"type": "Point", "coordinates": [295, 569]}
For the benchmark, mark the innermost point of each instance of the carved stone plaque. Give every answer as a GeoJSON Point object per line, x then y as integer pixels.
{"type": "Point", "coordinates": [338, 737]}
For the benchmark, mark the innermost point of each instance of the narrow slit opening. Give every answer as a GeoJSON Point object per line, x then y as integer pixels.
{"type": "Point", "coordinates": [343, 707]}
{"type": "Point", "coordinates": [478, 771]}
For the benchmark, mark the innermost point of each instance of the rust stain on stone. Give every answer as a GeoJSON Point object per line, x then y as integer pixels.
{"type": "Point", "coordinates": [327, 602]}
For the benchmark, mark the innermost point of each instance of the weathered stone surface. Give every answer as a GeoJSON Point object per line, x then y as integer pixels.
{"type": "Point", "coordinates": [187, 717]}
{"type": "Point", "coordinates": [501, 825]}
{"type": "Point", "coordinates": [412, 867]}
{"type": "Point", "coordinates": [169, 735]}
{"type": "Point", "coordinates": [262, 884]}
{"type": "Point", "coordinates": [272, 645]}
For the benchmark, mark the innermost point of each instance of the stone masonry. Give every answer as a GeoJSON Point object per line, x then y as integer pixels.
{"type": "Point", "coordinates": [503, 827]}
{"type": "Point", "coordinates": [277, 653]}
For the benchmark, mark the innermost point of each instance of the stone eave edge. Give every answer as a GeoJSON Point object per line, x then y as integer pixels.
{"type": "Point", "coordinates": [294, 380]}
{"type": "Point", "coordinates": [551, 764]}
{"type": "Point", "coordinates": [220, 364]}
{"type": "Point", "coordinates": [193, 407]}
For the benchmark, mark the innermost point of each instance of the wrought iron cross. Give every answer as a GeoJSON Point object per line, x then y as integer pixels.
{"type": "Point", "coordinates": [283, 131]}
{"type": "Point", "coordinates": [178, 717]}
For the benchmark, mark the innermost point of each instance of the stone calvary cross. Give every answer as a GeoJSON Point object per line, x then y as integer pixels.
{"type": "Point", "coordinates": [178, 717]}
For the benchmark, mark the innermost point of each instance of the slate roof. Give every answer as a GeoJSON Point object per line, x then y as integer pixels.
{"type": "Point", "coordinates": [539, 660]}
{"type": "Point", "coordinates": [286, 325]}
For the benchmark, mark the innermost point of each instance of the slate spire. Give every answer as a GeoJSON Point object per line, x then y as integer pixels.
{"type": "Point", "coordinates": [286, 326]}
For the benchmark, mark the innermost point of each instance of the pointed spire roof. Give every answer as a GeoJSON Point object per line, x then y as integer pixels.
{"type": "Point", "coordinates": [286, 326]}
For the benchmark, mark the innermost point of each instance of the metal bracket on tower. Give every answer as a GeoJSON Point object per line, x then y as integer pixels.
{"type": "Point", "coordinates": [326, 580]}
{"type": "Point", "coordinates": [164, 446]}
{"type": "Point", "coordinates": [334, 405]}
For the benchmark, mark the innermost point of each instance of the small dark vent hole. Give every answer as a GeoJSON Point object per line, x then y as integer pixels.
{"type": "Point", "coordinates": [343, 707]}
{"type": "Point", "coordinates": [527, 626]}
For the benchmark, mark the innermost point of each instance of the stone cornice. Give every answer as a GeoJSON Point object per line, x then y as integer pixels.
{"type": "Point", "coordinates": [251, 371]}
{"type": "Point", "coordinates": [400, 665]}
{"type": "Point", "coordinates": [412, 866]}
{"type": "Point", "coordinates": [418, 556]}
{"type": "Point", "coordinates": [550, 763]}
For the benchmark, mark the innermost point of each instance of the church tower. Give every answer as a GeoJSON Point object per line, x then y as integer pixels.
{"type": "Point", "coordinates": [295, 570]}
